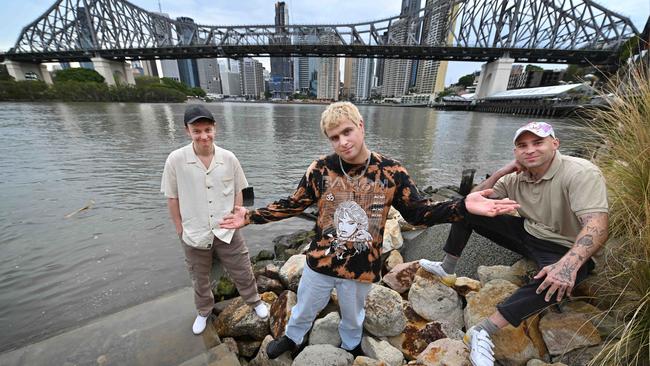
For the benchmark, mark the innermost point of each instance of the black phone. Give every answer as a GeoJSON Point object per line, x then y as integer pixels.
{"type": "Point", "coordinates": [248, 196]}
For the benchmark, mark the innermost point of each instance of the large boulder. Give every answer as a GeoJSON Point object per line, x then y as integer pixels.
{"type": "Point", "coordinates": [269, 270]}
{"type": "Point", "coordinates": [465, 285]}
{"type": "Point", "coordinates": [220, 355]}
{"type": "Point", "coordinates": [367, 361]}
{"type": "Point", "coordinates": [392, 236]}
{"type": "Point", "coordinates": [445, 352]}
{"type": "Point", "coordinates": [265, 284]}
{"type": "Point", "coordinates": [326, 330]}
{"type": "Point", "coordinates": [400, 278]}
{"type": "Point", "coordinates": [262, 359]}
{"type": "Point", "coordinates": [516, 275]}
{"type": "Point", "coordinates": [578, 357]}
{"type": "Point", "coordinates": [381, 350]}
{"type": "Point", "coordinates": [564, 332]}
{"type": "Point", "coordinates": [291, 271]}
{"type": "Point", "coordinates": [323, 355]}
{"type": "Point", "coordinates": [281, 311]}
{"type": "Point", "coordinates": [286, 246]}
{"type": "Point", "coordinates": [248, 348]}
{"type": "Point", "coordinates": [384, 316]}
{"type": "Point", "coordinates": [238, 320]}
{"type": "Point", "coordinates": [418, 333]}
{"type": "Point", "coordinates": [513, 346]}
{"type": "Point", "coordinates": [605, 323]}
{"type": "Point", "coordinates": [435, 301]}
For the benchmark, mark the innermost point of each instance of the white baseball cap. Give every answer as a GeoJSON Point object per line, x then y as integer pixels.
{"type": "Point", "coordinates": [541, 129]}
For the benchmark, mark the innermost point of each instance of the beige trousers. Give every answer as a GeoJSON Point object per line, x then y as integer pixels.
{"type": "Point", "coordinates": [234, 257]}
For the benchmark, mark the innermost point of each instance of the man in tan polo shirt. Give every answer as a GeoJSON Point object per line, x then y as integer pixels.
{"type": "Point", "coordinates": [202, 183]}
{"type": "Point", "coordinates": [563, 222]}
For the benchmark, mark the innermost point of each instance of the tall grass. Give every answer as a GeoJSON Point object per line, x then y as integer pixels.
{"type": "Point", "coordinates": [624, 158]}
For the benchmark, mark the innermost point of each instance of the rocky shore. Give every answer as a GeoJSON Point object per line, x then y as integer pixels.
{"type": "Point", "coordinates": [412, 317]}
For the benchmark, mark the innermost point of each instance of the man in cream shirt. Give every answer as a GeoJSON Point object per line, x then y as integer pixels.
{"type": "Point", "coordinates": [202, 183]}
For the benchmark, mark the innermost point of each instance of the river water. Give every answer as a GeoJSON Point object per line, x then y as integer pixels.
{"type": "Point", "coordinates": [57, 273]}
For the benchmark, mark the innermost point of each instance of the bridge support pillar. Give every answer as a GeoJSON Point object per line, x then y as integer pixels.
{"type": "Point", "coordinates": [114, 72]}
{"type": "Point", "coordinates": [494, 77]}
{"type": "Point", "coordinates": [28, 71]}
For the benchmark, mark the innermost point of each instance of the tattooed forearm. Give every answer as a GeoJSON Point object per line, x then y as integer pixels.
{"type": "Point", "coordinates": [586, 240]}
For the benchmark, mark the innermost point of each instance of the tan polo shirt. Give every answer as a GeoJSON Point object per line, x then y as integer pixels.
{"type": "Point", "coordinates": [551, 206]}
{"type": "Point", "coordinates": [204, 195]}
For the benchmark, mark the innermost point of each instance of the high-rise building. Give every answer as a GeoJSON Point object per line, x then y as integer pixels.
{"type": "Point", "coordinates": [363, 78]}
{"type": "Point", "coordinates": [305, 68]}
{"type": "Point", "coordinates": [411, 8]}
{"type": "Point", "coordinates": [349, 74]}
{"type": "Point", "coordinates": [281, 83]}
{"type": "Point", "coordinates": [187, 68]}
{"type": "Point", "coordinates": [397, 72]}
{"type": "Point", "coordinates": [209, 75]}
{"type": "Point", "coordinates": [169, 69]}
{"type": "Point", "coordinates": [251, 78]}
{"type": "Point", "coordinates": [230, 79]}
{"type": "Point", "coordinates": [515, 74]}
{"type": "Point", "coordinates": [431, 74]}
{"type": "Point", "coordinates": [328, 72]}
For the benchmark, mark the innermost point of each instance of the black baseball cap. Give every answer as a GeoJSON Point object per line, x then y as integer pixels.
{"type": "Point", "coordinates": [195, 112]}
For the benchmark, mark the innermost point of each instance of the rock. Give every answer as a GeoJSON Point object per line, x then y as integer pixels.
{"type": "Point", "coordinates": [262, 359]}
{"type": "Point", "coordinates": [265, 284]}
{"type": "Point", "coordinates": [417, 334]}
{"type": "Point", "coordinates": [434, 301]}
{"type": "Point", "coordinates": [536, 362]}
{"type": "Point", "coordinates": [248, 348]}
{"type": "Point", "coordinates": [384, 316]}
{"type": "Point", "coordinates": [291, 271]}
{"type": "Point", "coordinates": [269, 297]}
{"type": "Point", "coordinates": [578, 357]}
{"type": "Point", "coordinates": [281, 311]}
{"type": "Point", "coordinates": [217, 356]}
{"type": "Point", "coordinates": [367, 361]}
{"type": "Point", "coordinates": [464, 285]}
{"type": "Point", "coordinates": [489, 273]}
{"type": "Point", "coordinates": [526, 266]}
{"type": "Point", "coordinates": [381, 350]}
{"type": "Point", "coordinates": [269, 270]}
{"type": "Point", "coordinates": [263, 255]}
{"type": "Point", "coordinates": [232, 345]}
{"type": "Point", "coordinates": [445, 352]}
{"type": "Point", "coordinates": [224, 289]}
{"type": "Point", "coordinates": [401, 276]}
{"type": "Point", "coordinates": [394, 258]}
{"type": "Point", "coordinates": [513, 346]}
{"type": "Point", "coordinates": [392, 236]}
{"type": "Point", "coordinates": [605, 323]}
{"type": "Point", "coordinates": [238, 319]}
{"type": "Point", "coordinates": [564, 332]}
{"type": "Point", "coordinates": [323, 355]}
{"type": "Point", "coordinates": [221, 305]}
{"type": "Point", "coordinates": [326, 330]}
{"type": "Point", "coordinates": [285, 246]}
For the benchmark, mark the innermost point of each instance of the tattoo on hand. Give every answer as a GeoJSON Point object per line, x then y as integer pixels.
{"type": "Point", "coordinates": [580, 258]}
{"type": "Point", "coordinates": [566, 272]}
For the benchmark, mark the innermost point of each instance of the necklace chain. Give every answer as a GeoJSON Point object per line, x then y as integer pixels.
{"type": "Point", "coordinates": [360, 175]}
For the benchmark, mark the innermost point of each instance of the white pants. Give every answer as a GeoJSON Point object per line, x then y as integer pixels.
{"type": "Point", "coordinates": [314, 292]}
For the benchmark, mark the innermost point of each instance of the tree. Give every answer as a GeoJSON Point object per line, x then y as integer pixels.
{"type": "Point", "coordinates": [78, 74]}
{"type": "Point", "coordinates": [466, 80]}
{"type": "Point", "coordinates": [4, 74]}
{"type": "Point", "coordinates": [198, 92]}
{"type": "Point", "coordinates": [146, 80]}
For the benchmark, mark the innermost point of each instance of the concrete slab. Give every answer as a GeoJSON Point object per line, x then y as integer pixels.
{"type": "Point", "coordinates": [157, 332]}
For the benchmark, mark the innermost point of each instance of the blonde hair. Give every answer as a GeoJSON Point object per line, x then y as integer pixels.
{"type": "Point", "coordinates": [338, 112]}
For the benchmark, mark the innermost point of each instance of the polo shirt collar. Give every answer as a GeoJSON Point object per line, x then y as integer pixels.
{"type": "Point", "coordinates": [552, 170]}
{"type": "Point", "coordinates": [191, 158]}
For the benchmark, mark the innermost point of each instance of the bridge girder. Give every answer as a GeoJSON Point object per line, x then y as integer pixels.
{"type": "Point", "coordinates": [571, 31]}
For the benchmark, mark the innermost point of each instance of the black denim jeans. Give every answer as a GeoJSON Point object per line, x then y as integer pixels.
{"type": "Point", "coordinates": [508, 232]}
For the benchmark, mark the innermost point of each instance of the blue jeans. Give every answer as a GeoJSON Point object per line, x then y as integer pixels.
{"type": "Point", "coordinates": [314, 292]}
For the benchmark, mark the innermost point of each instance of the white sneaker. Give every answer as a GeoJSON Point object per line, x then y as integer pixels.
{"type": "Point", "coordinates": [261, 310]}
{"type": "Point", "coordinates": [434, 267]}
{"type": "Point", "coordinates": [480, 346]}
{"type": "Point", "coordinates": [199, 324]}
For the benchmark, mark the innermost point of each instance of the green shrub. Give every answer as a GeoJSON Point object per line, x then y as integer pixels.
{"type": "Point", "coordinates": [78, 74]}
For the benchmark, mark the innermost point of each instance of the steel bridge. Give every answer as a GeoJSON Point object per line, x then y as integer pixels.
{"type": "Point", "coordinates": [540, 31]}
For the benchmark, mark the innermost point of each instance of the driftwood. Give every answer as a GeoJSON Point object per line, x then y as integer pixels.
{"type": "Point", "coordinates": [87, 206]}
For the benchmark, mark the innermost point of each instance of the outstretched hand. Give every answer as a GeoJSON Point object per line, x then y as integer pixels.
{"type": "Point", "coordinates": [234, 220]}
{"type": "Point", "coordinates": [477, 203]}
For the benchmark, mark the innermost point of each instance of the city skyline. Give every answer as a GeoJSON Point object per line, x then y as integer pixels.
{"type": "Point", "coordinates": [17, 15]}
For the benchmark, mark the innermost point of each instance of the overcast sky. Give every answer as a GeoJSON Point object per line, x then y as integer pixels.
{"type": "Point", "coordinates": [14, 15]}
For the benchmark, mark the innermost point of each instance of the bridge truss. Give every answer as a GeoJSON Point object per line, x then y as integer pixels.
{"type": "Point", "coordinates": [554, 31]}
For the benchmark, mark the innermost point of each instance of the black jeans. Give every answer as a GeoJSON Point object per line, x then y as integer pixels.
{"type": "Point", "coordinates": [508, 232]}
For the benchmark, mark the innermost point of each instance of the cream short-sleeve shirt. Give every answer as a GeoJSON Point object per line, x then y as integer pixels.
{"type": "Point", "coordinates": [204, 195]}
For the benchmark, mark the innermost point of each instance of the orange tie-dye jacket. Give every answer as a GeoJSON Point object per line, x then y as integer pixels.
{"type": "Point", "coordinates": [352, 213]}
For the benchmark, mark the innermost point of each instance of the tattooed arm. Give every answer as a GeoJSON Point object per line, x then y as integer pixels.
{"type": "Point", "coordinates": [561, 276]}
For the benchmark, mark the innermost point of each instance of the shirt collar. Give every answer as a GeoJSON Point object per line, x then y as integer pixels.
{"type": "Point", "coordinates": [552, 169]}
{"type": "Point", "coordinates": [191, 158]}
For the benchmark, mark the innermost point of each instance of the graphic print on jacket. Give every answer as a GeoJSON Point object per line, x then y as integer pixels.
{"type": "Point", "coordinates": [352, 213]}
